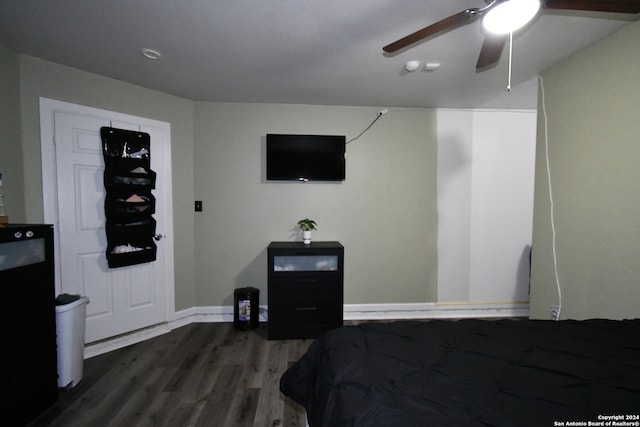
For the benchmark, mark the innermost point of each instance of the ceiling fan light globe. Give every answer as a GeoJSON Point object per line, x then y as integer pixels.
{"type": "Point", "coordinates": [510, 16]}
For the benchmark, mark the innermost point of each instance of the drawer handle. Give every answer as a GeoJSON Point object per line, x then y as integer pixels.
{"type": "Point", "coordinates": [306, 308]}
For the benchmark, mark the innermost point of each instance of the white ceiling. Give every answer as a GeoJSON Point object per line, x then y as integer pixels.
{"type": "Point", "coordinates": [295, 51]}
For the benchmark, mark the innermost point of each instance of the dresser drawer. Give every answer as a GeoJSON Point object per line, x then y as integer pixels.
{"type": "Point", "coordinates": [303, 321]}
{"type": "Point", "coordinates": [309, 312]}
{"type": "Point", "coordinates": [304, 289]}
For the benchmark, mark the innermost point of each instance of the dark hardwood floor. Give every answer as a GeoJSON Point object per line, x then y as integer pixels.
{"type": "Point", "coordinates": [203, 374]}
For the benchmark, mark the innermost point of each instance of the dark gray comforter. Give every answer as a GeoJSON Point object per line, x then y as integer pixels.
{"type": "Point", "coordinates": [470, 373]}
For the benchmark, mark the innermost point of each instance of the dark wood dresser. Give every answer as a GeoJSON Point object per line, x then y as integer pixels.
{"type": "Point", "coordinates": [305, 289]}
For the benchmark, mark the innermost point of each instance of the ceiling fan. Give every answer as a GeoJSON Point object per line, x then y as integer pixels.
{"type": "Point", "coordinates": [514, 14]}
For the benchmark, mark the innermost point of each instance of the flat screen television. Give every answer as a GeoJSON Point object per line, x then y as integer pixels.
{"type": "Point", "coordinates": [305, 157]}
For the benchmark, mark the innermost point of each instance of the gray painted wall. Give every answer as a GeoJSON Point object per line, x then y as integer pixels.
{"type": "Point", "coordinates": [485, 204]}
{"type": "Point", "coordinates": [40, 78]}
{"type": "Point", "coordinates": [384, 213]}
{"type": "Point", "coordinates": [593, 108]}
{"type": "Point", "coordinates": [10, 148]}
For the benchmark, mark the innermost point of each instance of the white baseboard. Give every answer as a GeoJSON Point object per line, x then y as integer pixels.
{"type": "Point", "coordinates": [210, 314]}
{"type": "Point", "coordinates": [219, 314]}
{"type": "Point", "coordinates": [435, 310]}
{"type": "Point", "coordinates": [120, 341]}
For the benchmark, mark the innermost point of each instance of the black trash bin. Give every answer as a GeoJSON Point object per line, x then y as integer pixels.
{"type": "Point", "coordinates": [246, 311]}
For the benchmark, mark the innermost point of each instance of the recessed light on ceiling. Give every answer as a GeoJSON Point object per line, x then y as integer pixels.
{"type": "Point", "coordinates": [151, 53]}
{"type": "Point", "coordinates": [412, 66]}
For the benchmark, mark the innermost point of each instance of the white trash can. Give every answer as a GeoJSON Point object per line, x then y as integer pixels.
{"type": "Point", "coordinates": [70, 325]}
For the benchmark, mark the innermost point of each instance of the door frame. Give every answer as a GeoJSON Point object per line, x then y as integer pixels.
{"type": "Point", "coordinates": [48, 107]}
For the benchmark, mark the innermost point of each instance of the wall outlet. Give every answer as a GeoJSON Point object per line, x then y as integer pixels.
{"type": "Point", "coordinates": [198, 205]}
{"type": "Point", "coordinates": [555, 311]}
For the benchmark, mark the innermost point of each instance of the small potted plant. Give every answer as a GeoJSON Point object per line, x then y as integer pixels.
{"type": "Point", "coordinates": [306, 225]}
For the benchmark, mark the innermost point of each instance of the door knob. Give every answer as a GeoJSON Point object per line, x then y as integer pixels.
{"type": "Point", "coordinates": [158, 237]}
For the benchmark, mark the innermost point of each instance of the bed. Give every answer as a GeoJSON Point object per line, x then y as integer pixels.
{"type": "Point", "coordinates": [471, 373]}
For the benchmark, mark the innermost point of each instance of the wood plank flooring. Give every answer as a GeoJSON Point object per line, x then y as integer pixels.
{"type": "Point", "coordinates": [202, 374]}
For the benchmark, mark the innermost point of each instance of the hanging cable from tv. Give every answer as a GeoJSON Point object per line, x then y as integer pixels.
{"type": "Point", "coordinates": [380, 114]}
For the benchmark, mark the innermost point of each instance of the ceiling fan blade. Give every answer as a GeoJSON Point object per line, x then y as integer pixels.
{"type": "Point", "coordinates": [618, 6]}
{"type": "Point", "coordinates": [442, 26]}
{"type": "Point", "coordinates": [491, 51]}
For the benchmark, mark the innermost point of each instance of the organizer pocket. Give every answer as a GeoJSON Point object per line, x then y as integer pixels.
{"type": "Point", "coordinates": [124, 144]}
{"type": "Point", "coordinates": [134, 256]}
{"type": "Point", "coordinates": [129, 205]}
{"type": "Point", "coordinates": [130, 174]}
{"type": "Point", "coordinates": [130, 243]}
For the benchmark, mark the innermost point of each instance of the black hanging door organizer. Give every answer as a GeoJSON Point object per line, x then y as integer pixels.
{"type": "Point", "coordinates": [129, 204]}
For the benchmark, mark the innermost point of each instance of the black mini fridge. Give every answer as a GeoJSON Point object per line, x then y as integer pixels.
{"type": "Point", "coordinates": [28, 375]}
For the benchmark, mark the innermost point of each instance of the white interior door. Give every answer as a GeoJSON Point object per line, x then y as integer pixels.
{"type": "Point", "coordinates": [121, 299]}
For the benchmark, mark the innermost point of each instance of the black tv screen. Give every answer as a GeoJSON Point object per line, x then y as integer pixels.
{"type": "Point", "coordinates": [305, 157]}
